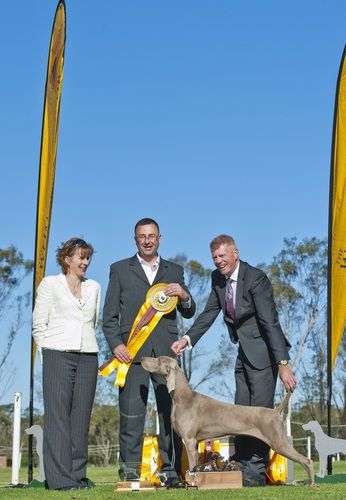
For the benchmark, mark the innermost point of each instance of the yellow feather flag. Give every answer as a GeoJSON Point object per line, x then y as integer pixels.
{"type": "Point", "coordinates": [337, 220]}
{"type": "Point", "coordinates": [49, 140]}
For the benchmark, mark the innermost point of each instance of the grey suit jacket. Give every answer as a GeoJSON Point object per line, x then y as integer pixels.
{"type": "Point", "coordinates": [256, 323]}
{"type": "Point", "coordinates": [126, 293]}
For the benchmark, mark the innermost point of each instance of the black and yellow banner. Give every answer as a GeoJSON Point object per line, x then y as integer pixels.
{"type": "Point", "coordinates": [49, 140]}
{"type": "Point", "coordinates": [337, 220]}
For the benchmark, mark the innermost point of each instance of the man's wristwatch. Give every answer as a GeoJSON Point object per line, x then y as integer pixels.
{"type": "Point", "coordinates": [283, 362]}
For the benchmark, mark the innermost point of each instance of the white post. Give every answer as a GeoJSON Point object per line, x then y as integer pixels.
{"type": "Point", "coordinates": [16, 438]}
{"type": "Point", "coordinates": [309, 447]}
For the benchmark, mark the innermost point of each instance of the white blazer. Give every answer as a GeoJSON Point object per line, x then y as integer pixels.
{"type": "Point", "coordinates": [62, 322]}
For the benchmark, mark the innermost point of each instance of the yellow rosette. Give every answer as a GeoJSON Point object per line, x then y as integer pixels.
{"type": "Point", "coordinates": [156, 305]}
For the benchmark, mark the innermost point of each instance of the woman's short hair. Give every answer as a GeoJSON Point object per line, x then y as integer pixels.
{"type": "Point", "coordinates": [69, 248]}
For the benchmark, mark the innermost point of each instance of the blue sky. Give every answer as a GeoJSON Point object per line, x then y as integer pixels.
{"type": "Point", "coordinates": [209, 116]}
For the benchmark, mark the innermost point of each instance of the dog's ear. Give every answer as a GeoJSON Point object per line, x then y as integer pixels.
{"type": "Point", "coordinates": [170, 375]}
{"type": "Point", "coordinates": [164, 366]}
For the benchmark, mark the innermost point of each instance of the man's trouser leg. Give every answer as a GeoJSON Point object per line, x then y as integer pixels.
{"type": "Point", "coordinates": [132, 407]}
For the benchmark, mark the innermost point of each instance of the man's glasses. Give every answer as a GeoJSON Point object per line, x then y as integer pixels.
{"type": "Point", "coordinates": [144, 237]}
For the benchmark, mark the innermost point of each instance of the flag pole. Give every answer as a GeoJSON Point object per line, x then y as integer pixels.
{"type": "Point", "coordinates": [49, 140]}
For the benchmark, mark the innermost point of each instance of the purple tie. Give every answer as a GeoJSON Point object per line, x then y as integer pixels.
{"type": "Point", "coordinates": [229, 298]}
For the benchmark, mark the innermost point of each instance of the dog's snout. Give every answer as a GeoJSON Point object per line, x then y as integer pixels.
{"type": "Point", "coordinates": [144, 362]}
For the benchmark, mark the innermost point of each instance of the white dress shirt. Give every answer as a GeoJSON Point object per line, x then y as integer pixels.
{"type": "Point", "coordinates": [150, 271]}
{"type": "Point", "coordinates": [234, 278]}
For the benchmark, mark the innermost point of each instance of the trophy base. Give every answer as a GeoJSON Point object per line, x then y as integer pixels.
{"type": "Point", "coordinates": [214, 480]}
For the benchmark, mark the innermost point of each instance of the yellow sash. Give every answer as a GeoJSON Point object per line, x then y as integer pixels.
{"type": "Point", "coordinates": [155, 306]}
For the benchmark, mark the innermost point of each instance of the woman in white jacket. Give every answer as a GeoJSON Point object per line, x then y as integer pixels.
{"type": "Point", "coordinates": [64, 323]}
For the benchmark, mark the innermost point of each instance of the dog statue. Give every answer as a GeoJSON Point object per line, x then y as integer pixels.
{"type": "Point", "coordinates": [37, 432]}
{"type": "Point", "coordinates": [324, 445]}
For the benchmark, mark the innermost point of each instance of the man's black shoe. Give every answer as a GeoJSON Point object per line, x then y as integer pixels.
{"type": "Point", "coordinates": [169, 481]}
{"type": "Point", "coordinates": [258, 481]}
{"type": "Point", "coordinates": [173, 483]}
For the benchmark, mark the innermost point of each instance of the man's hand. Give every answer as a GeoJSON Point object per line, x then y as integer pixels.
{"type": "Point", "coordinates": [179, 346]}
{"type": "Point", "coordinates": [122, 354]}
{"type": "Point", "coordinates": [287, 378]}
{"type": "Point", "coordinates": [174, 289]}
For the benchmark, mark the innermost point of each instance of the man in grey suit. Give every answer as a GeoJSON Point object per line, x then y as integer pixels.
{"type": "Point", "coordinates": [129, 282]}
{"type": "Point", "coordinates": [244, 294]}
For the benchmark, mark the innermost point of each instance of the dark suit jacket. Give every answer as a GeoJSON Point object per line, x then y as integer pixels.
{"type": "Point", "coordinates": [126, 294]}
{"type": "Point", "coordinates": [256, 324]}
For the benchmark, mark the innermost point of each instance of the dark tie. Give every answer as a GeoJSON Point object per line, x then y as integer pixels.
{"type": "Point", "coordinates": [229, 298]}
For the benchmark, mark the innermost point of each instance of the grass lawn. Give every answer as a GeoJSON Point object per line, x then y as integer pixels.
{"type": "Point", "coordinates": [105, 478]}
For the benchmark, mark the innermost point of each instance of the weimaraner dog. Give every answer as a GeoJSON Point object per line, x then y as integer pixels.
{"type": "Point", "coordinates": [196, 417]}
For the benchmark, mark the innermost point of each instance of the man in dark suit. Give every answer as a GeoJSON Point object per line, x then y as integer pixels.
{"type": "Point", "coordinates": [129, 282]}
{"type": "Point", "coordinates": [244, 294]}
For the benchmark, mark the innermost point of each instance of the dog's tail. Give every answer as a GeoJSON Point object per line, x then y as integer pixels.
{"type": "Point", "coordinates": [283, 403]}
